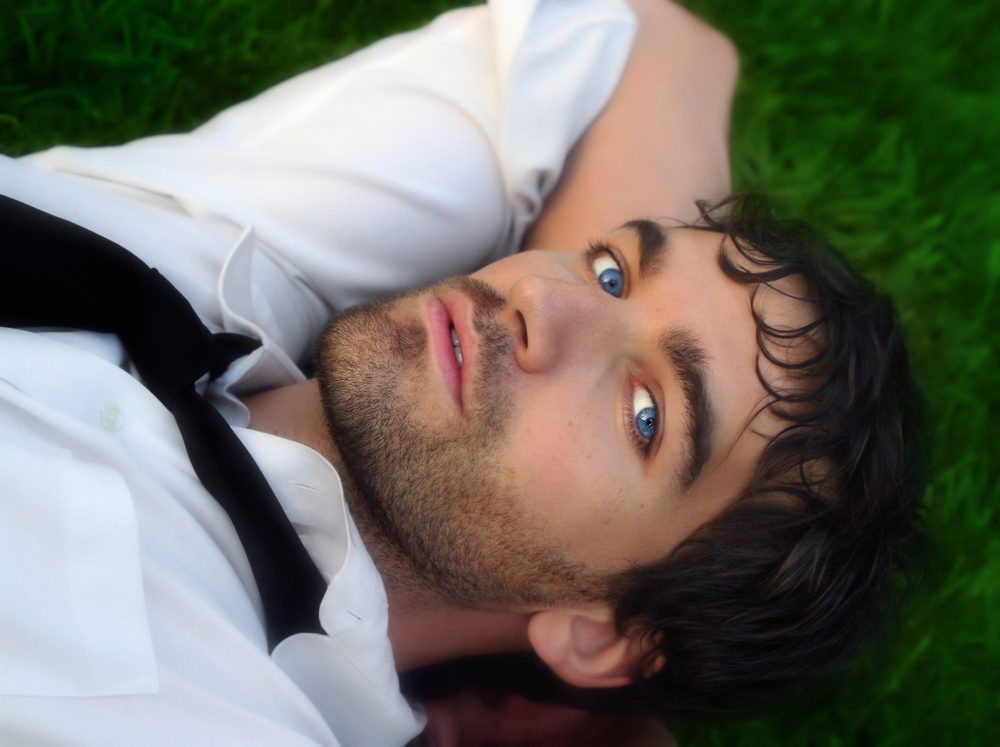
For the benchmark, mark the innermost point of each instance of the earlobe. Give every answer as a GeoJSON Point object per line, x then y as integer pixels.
{"type": "Point", "coordinates": [583, 647]}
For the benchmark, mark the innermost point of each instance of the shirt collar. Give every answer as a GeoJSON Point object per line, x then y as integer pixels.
{"type": "Point", "coordinates": [349, 671]}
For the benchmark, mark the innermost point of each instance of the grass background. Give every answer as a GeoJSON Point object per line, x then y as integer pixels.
{"type": "Point", "coordinates": [876, 120]}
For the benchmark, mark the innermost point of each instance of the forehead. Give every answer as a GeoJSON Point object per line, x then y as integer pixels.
{"type": "Point", "coordinates": [682, 286]}
{"type": "Point", "coordinates": [680, 275]}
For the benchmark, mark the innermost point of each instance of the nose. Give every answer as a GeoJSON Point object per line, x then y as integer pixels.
{"type": "Point", "coordinates": [557, 321]}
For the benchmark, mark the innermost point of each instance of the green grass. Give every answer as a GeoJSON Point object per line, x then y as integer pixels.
{"type": "Point", "coordinates": [874, 120]}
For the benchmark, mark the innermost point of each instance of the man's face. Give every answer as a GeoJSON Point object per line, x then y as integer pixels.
{"type": "Point", "coordinates": [600, 413]}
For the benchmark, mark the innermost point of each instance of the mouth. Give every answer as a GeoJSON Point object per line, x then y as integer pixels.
{"type": "Point", "coordinates": [456, 345]}
{"type": "Point", "coordinates": [448, 356]}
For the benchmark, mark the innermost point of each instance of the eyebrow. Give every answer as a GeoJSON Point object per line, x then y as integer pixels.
{"type": "Point", "coordinates": [652, 244]}
{"type": "Point", "coordinates": [685, 354]}
{"type": "Point", "coordinates": [688, 359]}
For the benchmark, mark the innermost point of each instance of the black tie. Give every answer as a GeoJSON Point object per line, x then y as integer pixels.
{"type": "Point", "coordinates": [57, 274]}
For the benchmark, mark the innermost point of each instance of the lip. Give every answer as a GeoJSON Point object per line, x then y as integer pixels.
{"type": "Point", "coordinates": [453, 309]}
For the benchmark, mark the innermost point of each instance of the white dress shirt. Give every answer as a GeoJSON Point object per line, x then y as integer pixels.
{"type": "Point", "coordinates": [130, 614]}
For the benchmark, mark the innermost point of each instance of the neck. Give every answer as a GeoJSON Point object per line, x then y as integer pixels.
{"type": "Point", "coordinates": [424, 634]}
{"type": "Point", "coordinates": [423, 629]}
{"type": "Point", "coordinates": [293, 412]}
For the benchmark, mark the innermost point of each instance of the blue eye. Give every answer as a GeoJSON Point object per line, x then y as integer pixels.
{"type": "Point", "coordinates": [609, 274]}
{"type": "Point", "coordinates": [645, 423]}
{"type": "Point", "coordinates": [646, 414]}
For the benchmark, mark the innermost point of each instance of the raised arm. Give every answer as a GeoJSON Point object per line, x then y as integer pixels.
{"type": "Point", "coordinates": [661, 142]}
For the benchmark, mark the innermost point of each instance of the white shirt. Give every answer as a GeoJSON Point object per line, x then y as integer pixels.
{"type": "Point", "coordinates": [130, 614]}
{"type": "Point", "coordinates": [129, 601]}
{"type": "Point", "coordinates": [422, 156]}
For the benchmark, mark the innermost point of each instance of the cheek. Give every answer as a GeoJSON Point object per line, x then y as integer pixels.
{"type": "Point", "coordinates": [504, 272]}
{"type": "Point", "coordinates": [570, 481]}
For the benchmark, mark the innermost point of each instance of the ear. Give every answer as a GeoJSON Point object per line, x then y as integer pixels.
{"type": "Point", "coordinates": [583, 647]}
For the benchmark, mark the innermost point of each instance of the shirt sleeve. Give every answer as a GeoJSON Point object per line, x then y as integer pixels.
{"type": "Point", "coordinates": [426, 154]}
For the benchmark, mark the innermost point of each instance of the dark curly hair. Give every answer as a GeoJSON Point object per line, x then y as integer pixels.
{"type": "Point", "coordinates": [786, 584]}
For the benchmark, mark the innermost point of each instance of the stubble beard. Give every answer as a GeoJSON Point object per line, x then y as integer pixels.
{"type": "Point", "coordinates": [438, 495]}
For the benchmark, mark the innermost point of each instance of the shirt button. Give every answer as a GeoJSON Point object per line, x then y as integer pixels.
{"type": "Point", "coordinates": [111, 419]}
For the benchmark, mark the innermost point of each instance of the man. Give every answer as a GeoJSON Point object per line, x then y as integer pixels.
{"type": "Point", "coordinates": [518, 481]}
